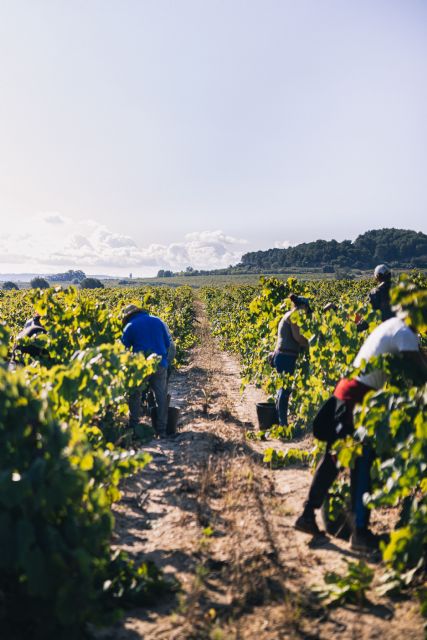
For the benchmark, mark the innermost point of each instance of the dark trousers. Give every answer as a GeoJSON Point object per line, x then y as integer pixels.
{"type": "Point", "coordinates": [283, 363]}
{"type": "Point", "coordinates": [360, 480]}
{"type": "Point", "coordinates": [159, 384]}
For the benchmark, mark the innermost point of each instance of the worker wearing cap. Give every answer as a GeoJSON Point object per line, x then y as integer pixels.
{"type": "Point", "coordinates": [380, 296]}
{"type": "Point", "coordinates": [290, 342]}
{"type": "Point", "coordinates": [148, 334]}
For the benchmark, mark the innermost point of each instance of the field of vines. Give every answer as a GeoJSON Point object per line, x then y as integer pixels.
{"type": "Point", "coordinates": [65, 446]}
{"type": "Point", "coordinates": [393, 421]}
{"type": "Point", "coordinates": [64, 449]}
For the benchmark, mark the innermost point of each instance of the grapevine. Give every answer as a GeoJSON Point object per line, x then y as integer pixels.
{"type": "Point", "coordinates": [393, 420]}
{"type": "Point", "coordinates": [61, 469]}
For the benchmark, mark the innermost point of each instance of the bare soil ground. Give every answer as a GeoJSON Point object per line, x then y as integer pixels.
{"type": "Point", "coordinates": [209, 513]}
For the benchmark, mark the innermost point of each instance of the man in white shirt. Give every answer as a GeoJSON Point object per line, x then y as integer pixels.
{"type": "Point", "coordinates": [391, 337]}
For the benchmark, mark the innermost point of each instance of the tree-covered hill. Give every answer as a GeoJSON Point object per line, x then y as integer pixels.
{"type": "Point", "coordinates": [396, 247]}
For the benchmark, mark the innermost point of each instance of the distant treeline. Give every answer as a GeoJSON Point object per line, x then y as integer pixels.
{"type": "Point", "coordinates": [400, 248]}
{"type": "Point", "coordinates": [396, 247]}
{"type": "Point", "coordinates": [69, 276]}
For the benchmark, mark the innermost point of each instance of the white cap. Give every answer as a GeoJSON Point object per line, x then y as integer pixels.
{"type": "Point", "coordinates": [381, 270]}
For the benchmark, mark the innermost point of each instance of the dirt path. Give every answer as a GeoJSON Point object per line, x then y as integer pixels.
{"type": "Point", "coordinates": [208, 512]}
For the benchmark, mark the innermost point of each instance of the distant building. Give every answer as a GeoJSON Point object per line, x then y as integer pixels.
{"type": "Point", "coordinates": [130, 276]}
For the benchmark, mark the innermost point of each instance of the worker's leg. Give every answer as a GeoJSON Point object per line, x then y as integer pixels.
{"type": "Point", "coordinates": [361, 484]}
{"type": "Point", "coordinates": [284, 364]}
{"type": "Point", "coordinates": [135, 406]}
{"type": "Point", "coordinates": [362, 539]}
{"type": "Point", "coordinates": [159, 384]}
{"type": "Point", "coordinates": [323, 479]}
{"type": "Point", "coordinates": [282, 402]}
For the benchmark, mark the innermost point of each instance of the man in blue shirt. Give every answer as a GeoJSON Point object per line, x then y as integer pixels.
{"type": "Point", "coordinates": [148, 334]}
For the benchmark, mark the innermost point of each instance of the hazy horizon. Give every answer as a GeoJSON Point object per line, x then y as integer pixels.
{"type": "Point", "coordinates": [140, 135]}
{"type": "Point", "coordinates": [19, 275]}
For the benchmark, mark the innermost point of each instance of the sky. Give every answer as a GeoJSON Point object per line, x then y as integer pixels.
{"type": "Point", "coordinates": [138, 135]}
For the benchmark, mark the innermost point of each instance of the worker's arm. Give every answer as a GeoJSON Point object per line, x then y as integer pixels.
{"type": "Point", "coordinates": [296, 334]}
{"type": "Point", "coordinates": [127, 336]}
{"type": "Point", "coordinates": [167, 337]}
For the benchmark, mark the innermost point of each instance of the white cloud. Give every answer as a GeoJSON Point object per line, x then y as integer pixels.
{"type": "Point", "coordinates": [103, 237]}
{"type": "Point", "coordinates": [53, 218]}
{"type": "Point", "coordinates": [77, 242]}
{"type": "Point", "coordinates": [60, 244]}
{"type": "Point", "coordinates": [208, 236]}
{"type": "Point", "coordinates": [285, 244]}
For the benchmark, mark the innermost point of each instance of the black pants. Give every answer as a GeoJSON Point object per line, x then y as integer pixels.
{"type": "Point", "coordinates": [324, 477]}
{"type": "Point", "coordinates": [360, 481]}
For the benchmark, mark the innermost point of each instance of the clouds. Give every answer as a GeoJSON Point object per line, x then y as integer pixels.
{"type": "Point", "coordinates": [53, 218]}
{"type": "Point", "coordinates": [53, 242]}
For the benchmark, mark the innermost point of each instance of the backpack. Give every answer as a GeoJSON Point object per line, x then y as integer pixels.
{"type": "Point", "coordinates": [330, 422]}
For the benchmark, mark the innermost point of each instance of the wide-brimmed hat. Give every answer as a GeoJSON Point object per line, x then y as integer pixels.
{"type": "Point", "coordinates": [129, 311]}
